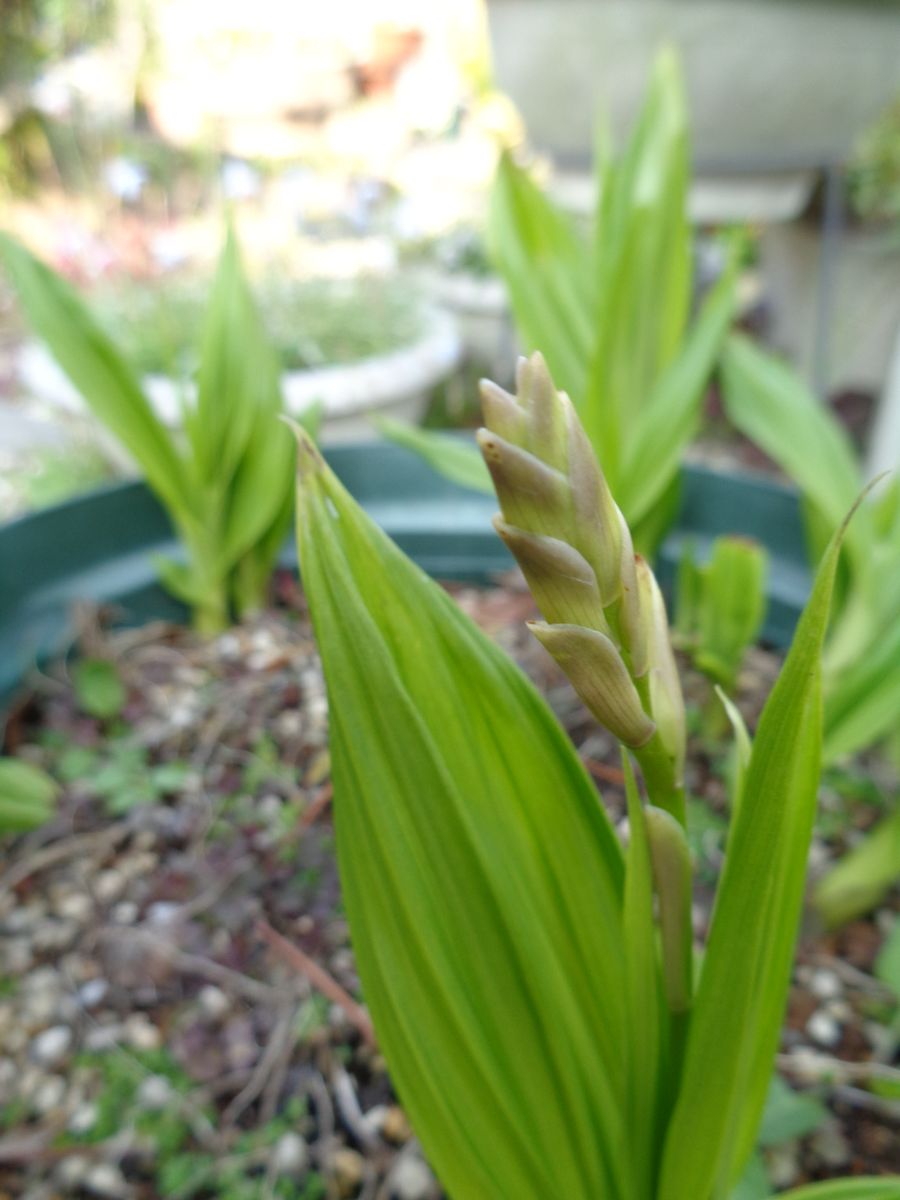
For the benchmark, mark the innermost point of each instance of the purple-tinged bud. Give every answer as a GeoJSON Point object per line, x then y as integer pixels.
{"type": "Point", "coordinates": [547, 432]}
{"type": "Point", "coordinates": [597, 520]}
{"type": "Point", "coordinates": [600, 677]}
{"type": "Point", "coordinates": [532, 495]}
{"type": "Point", "coordinates": [561, 581]}
{"type": "Point", "coordinates": [502, 412]}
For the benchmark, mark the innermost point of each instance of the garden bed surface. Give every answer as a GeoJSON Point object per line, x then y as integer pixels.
{"type": "Point", "coordinates": [158, 1038]}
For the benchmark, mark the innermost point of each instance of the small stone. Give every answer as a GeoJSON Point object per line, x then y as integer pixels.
{"type": "Point", "coordinates": [783, 1166]}
{"type": "Point", "coordinates": [76, 906]}
{"type": "Point", "coordinates": [163, 913]}
{"type": "Point", "coordinates": [93, 992]}
{"type": "Point", "coordinates": [830, 1146]}
{"type": "Point", "coordinates": [55, 934]}
{"type": "Point", "coordinates": [825, 984]}
{"type": "Point", "coordinates": [70, 1173]}
{"type": "Point", "coordinates": [213, 1001]}
{"type": "Point", "coordinates": [49, 1094]}
{"type": "Point", "coordinates": [154, 1092]}
{"type": "Point", "coordinates": [290, 1156]}
{"type": "Point", "coordinates": [105, 1179]}
{"type": "Point", "coordinates": [9, 1074]}
{"type": "Point", "coordinates": [141, 1033]}
{"type": "Point", "coordinates": [51, 1046]}
{"type": "Point", "coordinates": [395, 1126]}
{"type": "Point", "coordinates": [839, 1009]}
{"type": "Point", "coordinates": [83, 1119]}
{"type": "Point", "coordinates": [348, 1168]}
{"type": "Point", "coordinates": [411, 1179]}
{"type": "Point", "coordinates": [140, 864]}
{"type": "Point", "coordinates": [17, 956]}
{"type": "Point", "coordinates": [103, 1037]}
{"type": "Point", "coordinates": [125, 913]}
{"type": "Point", "coordinates": [109, 885]}
{"type": "Point", "coordinates": [823, 1028]}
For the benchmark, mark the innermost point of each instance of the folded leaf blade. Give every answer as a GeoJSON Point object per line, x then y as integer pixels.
{"type": "Point", "coordinates": [482, 879]}
{"type": "Point", "coordinates": [731, 1046]}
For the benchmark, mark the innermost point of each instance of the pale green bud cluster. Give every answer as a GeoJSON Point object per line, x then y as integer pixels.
{"type": "Point", "coordinates": [604, 617]}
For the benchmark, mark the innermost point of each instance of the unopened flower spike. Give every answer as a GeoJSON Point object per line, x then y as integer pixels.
{"type": "Point", "coordinates": [604, 621]}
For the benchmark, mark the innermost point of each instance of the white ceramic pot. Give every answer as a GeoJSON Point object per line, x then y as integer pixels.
{"type": "Point", "coordinates": [396, 384]}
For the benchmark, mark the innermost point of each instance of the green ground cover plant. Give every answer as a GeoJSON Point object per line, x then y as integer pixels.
{"type": "Point", "coordinates": [225, 477]}
{"type": "Point", "coordinates": [533, 983]}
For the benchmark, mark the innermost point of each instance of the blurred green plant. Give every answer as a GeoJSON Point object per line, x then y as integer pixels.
{"type": "Point", "coordinates": [545, 1029]}
{"type": "Point", "coordinates": [720, 606]}
{"type": "Point", "coordinates": [609, 305]}
{"type": "Point", "coordinates": [311, 323]}
{"type": "Point", "coordinates": [225, 477]}
{"type": "Point", "coordinates": [873, 174]}
{"type": "Point", "coordinates": [768, 403]}
{"type": "Point", "coordinates": [27, 796]}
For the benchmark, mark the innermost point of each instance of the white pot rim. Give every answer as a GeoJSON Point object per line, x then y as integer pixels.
{"type": "Point", "coordinates": [343, 390]}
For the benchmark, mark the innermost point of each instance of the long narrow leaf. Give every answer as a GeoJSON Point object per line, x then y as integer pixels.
{"type": "Point", "coordinates": [671, 415]}
{"type": "Point", "coordinates": [858, 1188]}
{"type": "Point", "coordinates": [754, 926]}
{"type": "Point", "coordinates": [456, 460]}
{"type": "Point", "coordinates": [97, 371]}
{"type": "Point", "coordinates": [471, 847]}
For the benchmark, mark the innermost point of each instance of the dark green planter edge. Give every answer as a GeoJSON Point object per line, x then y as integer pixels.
{"type": "Point", "coordinates": [101, 547]}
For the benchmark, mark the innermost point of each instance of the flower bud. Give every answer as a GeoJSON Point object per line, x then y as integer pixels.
{"type": "Point", "coordinates": [600, 677]}
{"type": "Point", "coordinates": [597, 521]}
{"type": "Point", "coordinates": [503, 414]}
{"type": "Point", "coordinates": [547, 432]}
{"type": "Point", "coordinates": [666, 699]}
{"type": "Point", "coordinates": [561, 581]}
{"type": "Point", "coordinates": [670, 857]}
{"type": "Point", "coordinates": [532, 495]}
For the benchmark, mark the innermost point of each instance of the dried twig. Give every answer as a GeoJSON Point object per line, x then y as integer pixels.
{"type": "Point", "coordinates": [294, 957]}
{"type": "Point", "coordinates": [194, 964]}
{"type": "Point", "coordinates": [604, 772]}
{"type": "Point", "coordinates": [277, 1048]}
{"type": "Point", "coordinates": [316, 806]}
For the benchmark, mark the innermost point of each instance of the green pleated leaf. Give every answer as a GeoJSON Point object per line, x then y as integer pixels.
{"type": "Point", "coordinates": [457, 460]}
{"type": "Point", "coordinates": [740, 1000]}
{"type": "Point", "coordinates": [482, 879]}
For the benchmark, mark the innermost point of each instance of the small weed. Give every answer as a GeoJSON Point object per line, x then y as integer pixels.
{"type": "Point", "coordinates": [121, 775]}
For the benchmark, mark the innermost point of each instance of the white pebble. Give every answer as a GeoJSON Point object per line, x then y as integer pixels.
{"type": "Point", "coordinates": [825, 984]}
{"type": "Point", "coordinates": [142, 1033]}
{"type": "Point", "coordinates": [154, 1092]}
{"type": "Point", "coordinates": [93, 992]}
{"type": "Point", "coordinates": [213, 1001]}
{"type": "Point", "coordinates": [49, 1094]}
{"type": "Point", "coordinates": [411, 1179]}
{"type": "Point", "coordinates": [51, 1046]}
{"type": "Point", "coordinates": [77, 906]}
{"type": "Point", "coordinates": [109, 885]}
{"type": "Point", "coordinates": [70, 1173]}
{"type": "Point", "coordinates": [290, 1156]}
{"type": "Point", "coordinates": [107, 1180]}
{"type": "Point", "coordinates": [83, 1119]}
{"type": "Point", "coordinates": [823, 1028]}
{"type": "Point", "coordinates": [830, 1145]}
{"type": "Point", "coordinates": [125, 913]}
